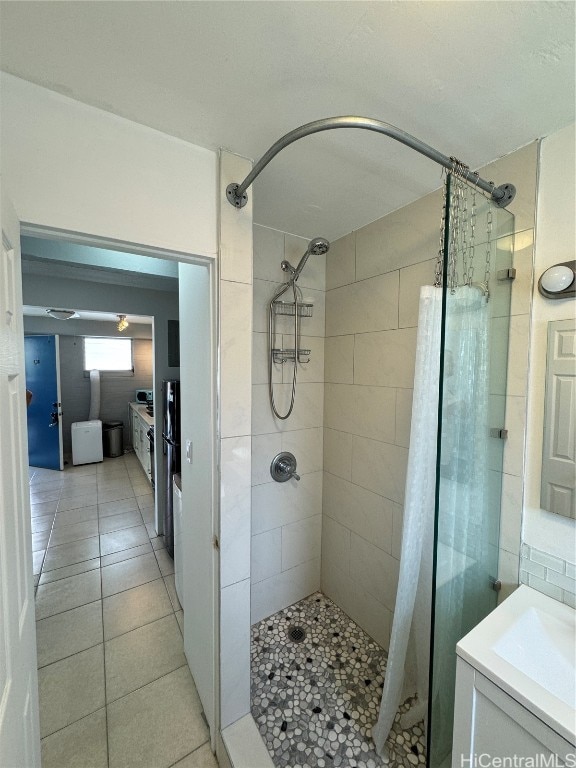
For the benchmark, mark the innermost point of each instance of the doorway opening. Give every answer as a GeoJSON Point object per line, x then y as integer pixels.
{"type": "Point", "coordinates": [113, 633]}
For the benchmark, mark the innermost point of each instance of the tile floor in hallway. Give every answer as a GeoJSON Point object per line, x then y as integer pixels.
{"type": "Point", "coordinates": [115, 688]}
{"type": "Point", "coordinates": [316, 697]}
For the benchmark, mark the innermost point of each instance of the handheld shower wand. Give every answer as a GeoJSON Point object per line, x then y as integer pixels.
{"type": "Point", "coordinates": [317, 246]}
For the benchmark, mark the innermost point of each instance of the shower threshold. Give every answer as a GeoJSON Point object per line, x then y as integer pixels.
{"type": "Point", "coordinates": [316, 698]}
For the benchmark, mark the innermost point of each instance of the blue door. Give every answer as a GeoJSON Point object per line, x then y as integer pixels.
{"type": "Point", "coordinates": [44, 422]}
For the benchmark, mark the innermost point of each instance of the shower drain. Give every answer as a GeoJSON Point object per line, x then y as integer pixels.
{"type": "Point", "coordinates": [296, 634]}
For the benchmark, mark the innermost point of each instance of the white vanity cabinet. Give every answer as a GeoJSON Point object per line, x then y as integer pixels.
{"type": "Point", "coordinates": [516, 686]}
{"type": "Point", "coordinates": [489, 722]}
{"type": "Point", "coordinates": [140, 424]}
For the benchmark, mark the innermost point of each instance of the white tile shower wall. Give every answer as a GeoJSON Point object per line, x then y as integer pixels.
{"type": "Point", "coordinates": [234, 449]}
{"type": "Point", "coordinates": [286, 517]}
{"type": "Point", "coordinates": [373, 282]}
{"type": "Point", "coordinates": [373, 279]}
{"type": "Point", "coordinates": [234, 652]}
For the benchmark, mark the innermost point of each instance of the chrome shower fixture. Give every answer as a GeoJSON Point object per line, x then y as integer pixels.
{"type": "Point", "coordinates": [316, 247]}
{"type": "Point", "coordinates": [297, 309]}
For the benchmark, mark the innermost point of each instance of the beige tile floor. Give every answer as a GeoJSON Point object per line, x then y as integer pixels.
{"type": "Point", "coordinates": [115, 688]}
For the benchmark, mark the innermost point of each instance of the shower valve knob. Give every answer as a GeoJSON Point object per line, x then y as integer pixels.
{"type": "Point", "coordinates": [283, 467]}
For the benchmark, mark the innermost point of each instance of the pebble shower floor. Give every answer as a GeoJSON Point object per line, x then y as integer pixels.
{"type": "Point", "coordinates": [315, 701]}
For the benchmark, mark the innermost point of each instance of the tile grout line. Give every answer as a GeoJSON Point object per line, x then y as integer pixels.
{"type": "Point", "coordinates": [150, 682]}
{"type": "Point", "coordinates": [36, 590]}
{"type": "Point", "coordinates": [103, 636]}
{"type": "Point", "coordinates": [127, 549]}
{"type": "Point", "coordinates": [140, 626]}
{"type": "Point", "coordinates": [47, 543]}
{"type": "Point", "coordinates": [84, 717]}
{"type": "Point", "coordinates": [191, 753]}
{"type": "Point", "coordinates": [162, 576]}
{"type": "Point", "coordinates": [173, 611]}
{"type": "Point", "coordinates": [71, 655]}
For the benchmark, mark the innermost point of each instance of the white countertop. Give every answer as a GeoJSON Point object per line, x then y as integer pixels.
{"type": "Point", "coordinates": [140, 409]}
{"type": "Point", "coordinates": [526, 646]}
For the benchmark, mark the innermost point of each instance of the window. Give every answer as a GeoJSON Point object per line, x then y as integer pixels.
{"type": "Point", "coordinates": [108, 354]}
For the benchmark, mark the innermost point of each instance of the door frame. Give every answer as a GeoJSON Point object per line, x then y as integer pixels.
{"type": "Point", "coordinates": [211, 263]}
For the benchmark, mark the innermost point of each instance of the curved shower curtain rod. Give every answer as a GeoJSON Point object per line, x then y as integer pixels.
{"type": "Point", "coordinates": [236, 193]}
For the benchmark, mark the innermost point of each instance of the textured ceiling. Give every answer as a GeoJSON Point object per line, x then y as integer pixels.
{"type": "Point", "coordinates": [473, 79]}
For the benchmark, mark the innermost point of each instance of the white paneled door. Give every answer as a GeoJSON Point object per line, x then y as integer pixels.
{"type": "Point", "coordinates": [558, 492]}
{"type": "Point", "coordinates": [19, 722]}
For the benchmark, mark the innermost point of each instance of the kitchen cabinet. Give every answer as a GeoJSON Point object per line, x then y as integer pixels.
{"type": "Point", "coordinates": [140, 424]}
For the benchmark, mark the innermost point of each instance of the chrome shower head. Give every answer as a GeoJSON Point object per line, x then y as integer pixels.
{"type": "Point", "coordinates": [316, 247]}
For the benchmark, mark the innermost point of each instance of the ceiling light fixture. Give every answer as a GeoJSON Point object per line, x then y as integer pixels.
{"type": "Point", "coordinates": [122, 323]}
{"type": "Point", "coordinates": [559, 281]}
{"type": "Point", "coordinates": [62, 314]}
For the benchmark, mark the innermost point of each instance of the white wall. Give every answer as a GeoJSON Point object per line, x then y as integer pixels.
{"type": "Point", "coordinates": [521, 169]}
{"type": "Point", "coordinates": [286, 517]}
{"type": "Point", "coordinates": [197, 425]}
{"type": "Point", "coordinates": [69, 166]}
{"type": "Point", "coordinates": [235, 365]}
{"type": "Point", "coordinates": [548, 533]}
{"type": "Point", "coordinates": [78, 169]}
{"type": "Point", "coordinates": [72, 167]}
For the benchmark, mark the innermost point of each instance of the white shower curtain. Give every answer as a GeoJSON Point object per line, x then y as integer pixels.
{"type": "Point", "coordinates": [415, 563]}
{"type": "Point", "coordinates": [464, 442]}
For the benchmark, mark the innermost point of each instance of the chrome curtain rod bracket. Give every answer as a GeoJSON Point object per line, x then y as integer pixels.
{"type": "Point", "coordinates": [236, 193]}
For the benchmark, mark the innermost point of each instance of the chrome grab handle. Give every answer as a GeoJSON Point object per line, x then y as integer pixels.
{"type": "Point", "coordinates": [283, 467]}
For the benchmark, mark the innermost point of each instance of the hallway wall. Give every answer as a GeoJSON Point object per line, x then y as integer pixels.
{"type": "Point", "coordinates": [116, 391]}
{"type": "Point", "coordinates": [43, 290]}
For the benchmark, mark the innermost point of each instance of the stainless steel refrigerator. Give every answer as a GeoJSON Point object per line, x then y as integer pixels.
{"type": "Point", "coordinates": [171, 454]}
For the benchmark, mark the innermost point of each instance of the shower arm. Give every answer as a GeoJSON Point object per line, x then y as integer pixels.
{"type": "Point", "coordinates": [236, 193]}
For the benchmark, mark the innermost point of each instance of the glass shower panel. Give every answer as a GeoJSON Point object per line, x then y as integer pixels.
{"type": "Point", "coordinates": [474, 354]}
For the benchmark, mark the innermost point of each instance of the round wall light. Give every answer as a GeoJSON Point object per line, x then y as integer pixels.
{"type": "Point", "coordinates": [559, 281]}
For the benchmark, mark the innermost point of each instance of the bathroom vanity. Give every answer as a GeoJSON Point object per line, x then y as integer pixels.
{"type": "Point", "coordinates": [141, 422]}
{"type": "Point", "coordinates": [516, 684]}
